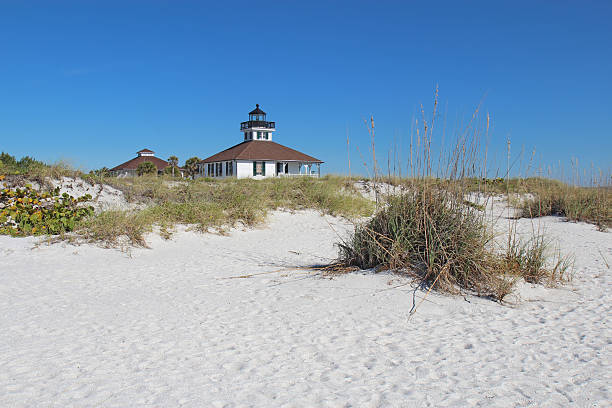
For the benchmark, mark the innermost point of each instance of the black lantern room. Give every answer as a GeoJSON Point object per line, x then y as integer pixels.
{"type": "Point", "coordinates": [257, 120]}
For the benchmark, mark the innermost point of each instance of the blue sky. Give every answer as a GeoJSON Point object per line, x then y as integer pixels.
{"type": "Point", "coordinates": [92, 82]}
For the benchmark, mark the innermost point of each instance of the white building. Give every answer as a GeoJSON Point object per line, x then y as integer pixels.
{"type": "Point", "coordinates": [130, 167]}
{"type": "Point", "coordinates": [257, 156]}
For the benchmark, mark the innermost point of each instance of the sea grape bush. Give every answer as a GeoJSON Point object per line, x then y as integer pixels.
{"type": "Point", "coordinates": [30, 212]}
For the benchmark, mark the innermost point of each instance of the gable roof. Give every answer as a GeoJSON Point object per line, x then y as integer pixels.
{"type": "Point", "coordinates": [133, 164]}
{"type": "Point", "coordinates": [260, 150]}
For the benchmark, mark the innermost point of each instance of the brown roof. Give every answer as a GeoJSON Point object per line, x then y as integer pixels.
{"type": "Point", "coordinates": [257, 111]}
{"type": "Point", "coordinates": [260, 150]}
{"type": "Point", "coordinates": [145, 151]}
{"type": "Point", "coordinates": [133, 164]}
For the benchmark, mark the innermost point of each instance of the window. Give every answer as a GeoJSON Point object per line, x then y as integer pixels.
{"type": "Point", "coordinates": [259, 168]}
{"type": "Point", "coordinates": [218, 169]}
{"type": "Point", "coordinates": [258, 135]}
{"type": "Point", "coordinates": [229, 168]}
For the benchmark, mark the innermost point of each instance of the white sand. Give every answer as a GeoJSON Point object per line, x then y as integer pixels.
{"type": "Point", "coordinates": [166, 327]}
{"type": "Point", "coordinates": [103, 196]}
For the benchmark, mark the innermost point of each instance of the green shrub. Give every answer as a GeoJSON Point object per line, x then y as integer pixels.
{"type": "Point", "coordinates": [29, 212]}
{"type": "Point", "coordinates": [10, 165]}
{"type": "Point", "coordinates": [100, 173]}
{"type": "Point", "coordinates": [146, 167]}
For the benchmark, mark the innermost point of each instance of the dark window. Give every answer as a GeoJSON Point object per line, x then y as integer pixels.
{"type": "Point", "coordinates": [259, 168]}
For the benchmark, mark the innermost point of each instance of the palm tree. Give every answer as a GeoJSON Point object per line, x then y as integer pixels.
{"type": "Point", "coordinates": [191, 165]}
{"type": "Point", "coordinates": [173, 160]}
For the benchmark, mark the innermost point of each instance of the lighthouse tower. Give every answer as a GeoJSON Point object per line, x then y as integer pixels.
{"type": "Point", "coordinates": [257, 127]}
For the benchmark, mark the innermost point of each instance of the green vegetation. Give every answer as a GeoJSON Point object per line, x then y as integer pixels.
{"type": "Point", "coordinates": [434, 233]}
{"type": "Point", "coordinates": [544, 196]}
{"type": "Point", "coordinates": [173, 168]}
{"type": "Point", "coordinates": [166, 201]}
{"type": "Point", "coordinates": [593, 205]}
{"type": "Point", "coordinates": [146, 167]}
{"type": "Point", "coordinates": [34, 170]}
{"type": "Point", "coordinates": [529, 261]}
{"type": "Point", "coordinates": [429, 234]}
{"type": "Point", "coordinates": [10, 165]}
{"type": "Point", "coordinates": [29, 212]}
{"type": "Point", "coordinates": [100, 173]}
{"type": "Point", "coordinates": [191, 166]}
{"type": "Point", "coordinates": [207, 204]}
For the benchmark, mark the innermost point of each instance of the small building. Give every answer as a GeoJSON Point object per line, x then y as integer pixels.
{"type": "Point", "coordinates": [257, 156]}
{"type": "Point", "coordinates": [129, 167]}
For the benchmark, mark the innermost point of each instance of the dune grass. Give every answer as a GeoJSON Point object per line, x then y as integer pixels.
{"type": "Point", "coordinates": [433, 232]}
{"type": "Point", "coordinates": [430, 234]}
{"type": "Point", "coordinates": [588, 204]}
{"type": "Point", "coordinates": [533, 196]}
{"type": "Point", "coordinates": [427, 233]}
{"type": "Point", "coordinates": [220, 204]}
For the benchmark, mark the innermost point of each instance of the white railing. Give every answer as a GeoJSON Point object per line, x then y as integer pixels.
{"type": "Point", "coordinates": [297, 175]}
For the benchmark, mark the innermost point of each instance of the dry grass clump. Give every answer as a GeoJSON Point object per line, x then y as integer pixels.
{"type": "Point", "coordinates": [110, 227]}
{"type": "Point", "coordinates": [530, 261]}
{"type": "Point", "coordinates": [428, 234]}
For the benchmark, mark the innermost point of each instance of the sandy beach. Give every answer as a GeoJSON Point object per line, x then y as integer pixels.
{"type": "Point", "coordinates": [181, 324]}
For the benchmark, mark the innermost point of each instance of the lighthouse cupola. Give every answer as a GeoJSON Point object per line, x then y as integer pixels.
{"type": "Point", "coordinates": [257, 127]}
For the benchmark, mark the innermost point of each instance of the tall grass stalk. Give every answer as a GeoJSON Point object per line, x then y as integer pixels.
{"type": "Point", "coordinates": [429, 232]}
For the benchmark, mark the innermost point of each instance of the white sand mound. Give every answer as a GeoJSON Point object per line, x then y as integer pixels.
{"type": "Point", "coordinates": [104, 197]}
{"type": "Point", "coordinates": [181, 324]}
{"type": "Point", "coordinates": [370, 189]}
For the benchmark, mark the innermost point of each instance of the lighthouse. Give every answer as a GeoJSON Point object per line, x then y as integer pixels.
{"type": "Point", "coordinates": [257, 156]}
{"type": "Point", "coordinates": [257, 127]}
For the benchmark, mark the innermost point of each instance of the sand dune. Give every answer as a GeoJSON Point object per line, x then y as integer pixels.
{"type": "Point", "coordinates": [175, 325]}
